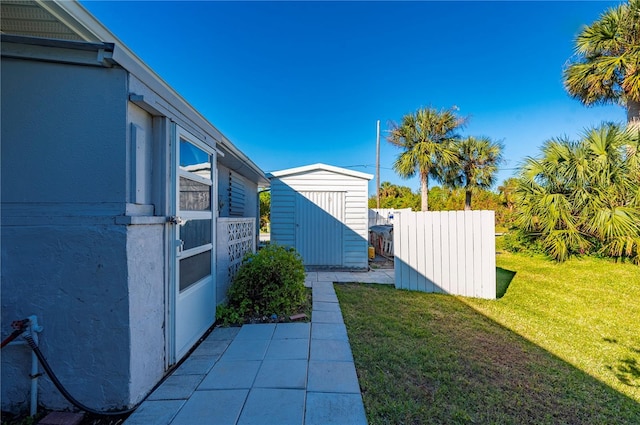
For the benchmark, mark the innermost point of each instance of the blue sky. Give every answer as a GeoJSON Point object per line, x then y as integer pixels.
{"type": "Point", "coordinates": [295, 83]}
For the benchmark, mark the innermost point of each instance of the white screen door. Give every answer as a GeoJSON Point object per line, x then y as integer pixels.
{"type": "Point", "coordinates": [193, 286]}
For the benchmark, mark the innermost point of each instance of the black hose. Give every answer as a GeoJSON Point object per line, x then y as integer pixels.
{"type": "Point", "coordinates": [62, 390]}
{"type": "Point", "coordinates": [11, 337]}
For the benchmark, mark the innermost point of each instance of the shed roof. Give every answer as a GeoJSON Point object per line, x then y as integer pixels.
{"type": "Point", "coordinates": [70, 21]}
{"type": "Point", "coordinates": [316, 167]}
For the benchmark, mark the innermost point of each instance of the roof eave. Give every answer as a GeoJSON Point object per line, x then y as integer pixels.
{"type": "Point", "coordinates": [80, 20]}
{"type": "Point", "coordinates": [319, 166]}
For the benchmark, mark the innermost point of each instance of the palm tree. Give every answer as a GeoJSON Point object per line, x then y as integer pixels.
{"type": "Point", "coordinates": [426, 138]}
{"type": "Point", "coordinates": [475, 167]}
{"type": "Point", "coordinates": [606, 68]}
{"type": "Point", "coordinates": [582, 196]}
{"type": "Point", "coordinates": [507, 190]}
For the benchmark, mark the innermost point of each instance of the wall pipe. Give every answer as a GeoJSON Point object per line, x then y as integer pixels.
{"type": "Point", "coordinates": [32, 328]}
{"type": "Point", "coordinates": [29, 329]}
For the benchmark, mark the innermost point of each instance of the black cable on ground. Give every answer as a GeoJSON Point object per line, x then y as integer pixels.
{"type": "Point", "coordinates": [63, 391]}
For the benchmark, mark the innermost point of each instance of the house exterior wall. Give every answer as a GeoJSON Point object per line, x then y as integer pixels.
{"type": "Point", "coordinates": [146, 259]}
{"type": "Point", "coordinates": [86, 190]}
{"type": "Point", "coordinates": [251, 203]}
{"type": "Point", "coordinates": [58, 130]}
{"type": "Point", "coordinates": [227, 253]}
{"type": "Point", "coordinates": [63, 256]}
{"type": "Point", "coordinates": [147, 355]}
{"type": "Point", "coordinates": [284, 191]}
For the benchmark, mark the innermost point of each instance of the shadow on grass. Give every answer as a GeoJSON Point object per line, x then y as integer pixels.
{"type": "Point", "coordinates": [628, 368]}
{"type": "Point", "coordinates": [425, 358]}
{"type": "Point", "coordinates": [503, 280]}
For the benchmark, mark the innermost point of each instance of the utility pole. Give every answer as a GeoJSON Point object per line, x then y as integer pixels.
{"type": "Point", "coordinates": [378, 164]}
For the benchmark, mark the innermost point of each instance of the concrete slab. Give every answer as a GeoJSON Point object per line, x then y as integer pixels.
{"type": "Point", "coordinates": [334, 409]}
{"type": "Point", "coordinates": [378, 277]}
{"type": "Point", "coordinates": [227, 333]}
{"type": "Point", "coordinates": [330, 350]}
{"type": "Point", "coordinates": [259, 331]}
{"type": "Point", "coordinates": [319, 316]}
{"type": "Point", "coordinates": [268, 373]}
{"type": "Point", "coordinates": [325, 306]}
{"type": "Point", "coordinates": [282, 374]}
{"type": "Point", "coordinates": [325, 297]}
{"type": "Point", "coordinates": [332, 377]}
{"type": "Point", "coordinates": [292, 330]}
{"type": "Point", "coordinates": [310, 279]}
{"type": "Point", "coordinates": [323, 284]}
{"type": "Point", "coordinates": [155, 412]}
{"type": "Point", "coordinates": [266, 406]}
{"type": "Point", "coordinates": [323, 291]}
{"type": "Point", "coordinates": [292, 349]}
{"type": "Point", "coordinates": [211, 348]}
{"type": "Point", "coordinates": [327, 276]}
{"type": "Point", "coordinates": [334, 331]}
{"type": "Point", "coordinates": [246, 349]}
{"type": "Point", "coordinates": [347, 277]}
{"type": "Point", "coordinates": [231, 375]}
{"type": "Point", "coordinates": [208, 407]}
{"type": "Point", "coordinates": [176, 387]}
{"type": "Point", "coordinates": [196, 365]}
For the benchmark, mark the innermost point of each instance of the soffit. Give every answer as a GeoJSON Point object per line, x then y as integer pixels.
{"type": "Point", "coordinates": [28, 18]}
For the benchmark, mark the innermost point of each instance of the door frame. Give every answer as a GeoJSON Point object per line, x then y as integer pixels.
{"type": "Point", "coordinates": [174, 245]}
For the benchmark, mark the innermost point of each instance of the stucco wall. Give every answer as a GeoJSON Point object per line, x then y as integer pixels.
{"type": "Point", "coordinates": [74, 279]}
{"type": "Point", "coordinates": [146, 307]}
{"type": "Point", "coordinates": [145, 254]}
{"type": "Point", "coordinates": [63, 132]}
{"type": "Point", "coordinates": [63, 257]}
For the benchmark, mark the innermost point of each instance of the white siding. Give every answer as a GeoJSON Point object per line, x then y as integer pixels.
{"type": "Point", "coordinates": [352, 233]}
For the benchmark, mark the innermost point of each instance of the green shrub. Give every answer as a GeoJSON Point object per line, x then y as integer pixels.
{"type": "Point", "coordinates": [519, 241]}
{"type": "Point", "coordinates": [269, 282]}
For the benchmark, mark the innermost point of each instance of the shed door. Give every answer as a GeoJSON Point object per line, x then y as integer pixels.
{"type": "Point", "coordinates": [193, 289]}
{"type": "Point", "coordinates": [320, 227]}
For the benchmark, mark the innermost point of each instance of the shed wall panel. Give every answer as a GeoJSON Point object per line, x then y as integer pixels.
{"type": "Point", "coordinates": [350, 224]}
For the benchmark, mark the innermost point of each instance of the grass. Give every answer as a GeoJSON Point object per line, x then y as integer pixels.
{"type": "Point", "coordinates": [562, 345]}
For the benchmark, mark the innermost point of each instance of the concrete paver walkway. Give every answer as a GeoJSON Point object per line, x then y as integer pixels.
{"type": "Point", "coordinates": [286, 373]}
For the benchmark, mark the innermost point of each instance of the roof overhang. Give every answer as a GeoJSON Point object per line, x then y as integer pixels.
{"type": "Point", "coordinates": [68, 27]}
{"type": "Point", "coordinates": [319, 167]}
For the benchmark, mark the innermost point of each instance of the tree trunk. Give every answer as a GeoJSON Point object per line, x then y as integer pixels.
{"type": "Point", "coordinates": [424, 189]}
{"type": "Point", "coordinates": [633, 114]}
{"type": "Point", "coordinates": [467, 200]}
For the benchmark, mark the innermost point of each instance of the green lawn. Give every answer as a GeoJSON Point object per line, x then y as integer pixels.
{"type": "Point", "coordinates": [561, 346]}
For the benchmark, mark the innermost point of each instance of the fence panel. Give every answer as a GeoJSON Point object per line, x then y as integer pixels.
{"type": "Point", "coordinates": [452, 252]}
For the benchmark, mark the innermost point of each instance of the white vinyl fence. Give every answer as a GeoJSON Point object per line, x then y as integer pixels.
{"type": "Point", "coordinates": [451, 252]}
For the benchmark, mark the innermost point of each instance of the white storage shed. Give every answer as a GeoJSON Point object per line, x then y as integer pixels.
{"type": "Point", "coordinates": [321, 210]}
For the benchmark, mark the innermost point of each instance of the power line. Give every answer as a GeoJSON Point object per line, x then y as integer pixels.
{"type": "Point", "coordinates": [391, 168]}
